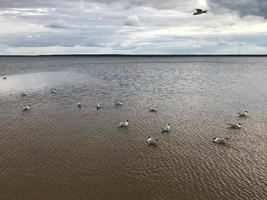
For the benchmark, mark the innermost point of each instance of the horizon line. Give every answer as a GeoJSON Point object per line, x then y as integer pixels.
{"type": "Point", "coordinates": [144, 55]}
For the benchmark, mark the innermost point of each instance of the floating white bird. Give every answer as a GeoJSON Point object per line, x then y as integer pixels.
{"type": "Point", "coordinates": [4, 77]}
{"type": "Point", "coordinates": [167, 128]}
{"type": "Point", "coordinates": [154, 109]}
{"type": "Point", "coordinates": [124, 124]}
{"type": "Point", "coordinates": [244, 114]}
{"type": "Point", "coordinates": [53, 91]}
{"type": "Point", "coordinates": [220, 140]}
{"type": "Point", "coordinates": [235, 126]}
{"type": "Point", "coordinates": [79, 105]}
{"type": "Point", "coordinates": [98, 106]}
{"type": "Point", "coordinates": [152, 141]}
{"type": "Point", "coordinates": [26, 108]}
{"type": "Point", "coordinates": [118, 103]}
{"type": "Point", "coordinates": [24, 94]}
{"type": "Point", "coordinates": [199, 11]}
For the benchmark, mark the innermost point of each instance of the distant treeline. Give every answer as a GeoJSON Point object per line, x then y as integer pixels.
{"type": "Point", "coordinates": [139, 55]}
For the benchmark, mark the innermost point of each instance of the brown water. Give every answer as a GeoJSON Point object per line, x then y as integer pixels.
{"type": "Point", "coordinates": [58, 151]}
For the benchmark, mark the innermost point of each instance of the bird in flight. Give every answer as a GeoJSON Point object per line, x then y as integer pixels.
{"type": "Point", "coordinates": [200, 11]}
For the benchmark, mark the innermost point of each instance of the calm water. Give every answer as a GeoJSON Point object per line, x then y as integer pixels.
{"type": "Point", "coordinates": [58, 151]}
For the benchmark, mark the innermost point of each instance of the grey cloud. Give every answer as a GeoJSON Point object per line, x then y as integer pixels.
{"type": "Point", "coordinates": [40, 3]}
{"type": "Point", "coordinates": [65, 38]}
{"type": "Point", "coordinates": [263, 7]}
{"type": "Point", "coordinates": [170, 4]}
{"type": "Point", "coordinates": [104, 23]}
{"type": "Point", "coordinates": [25, 3]}
{"type": "Point", "coordinates": [58, 25]}
{"type": "Point", "coordinates": [132, 21]}
{"type": "Point", "coordinates": [242, 7]}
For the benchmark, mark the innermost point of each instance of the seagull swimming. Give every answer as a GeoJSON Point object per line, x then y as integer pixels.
{"type": "Point", "coordinates": [199, 11]}
{"type": "Point", "coordinates": [98, 106]}
{"type": "Point", "coordinates": [220, 140]}
{"type": "Point", "coordinates": [124, 124]}
{"type": "Point", "coordinates": [4, 77]}
{"type": "Point", "coordinates": [167, 128]}
{"type": "Point", "coordinates": [152, 141]}
{"type": "Point", "coordinates": [235, 126]}
{"type": "Point", "coordinates": [53, 91]}
{"type": "Point", "coordinates": [244, 114]}
{"type": "Point", "coordinates": [26, 108]}
{"type": "Point", "coordinates": [79, 105]}
{"type": "Point", "coordinates": [24, 94]}
{"type": "Point", "coordinates": [154, 109]}
{"type": "Point", "coordinates": [118, 103]}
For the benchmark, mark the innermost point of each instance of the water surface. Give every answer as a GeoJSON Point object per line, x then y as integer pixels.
{"type": "Point", "coordinates": [58, 151]}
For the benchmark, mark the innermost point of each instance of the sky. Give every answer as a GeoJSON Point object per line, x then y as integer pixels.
{"type": "Point", "coordinates": [39, 27]}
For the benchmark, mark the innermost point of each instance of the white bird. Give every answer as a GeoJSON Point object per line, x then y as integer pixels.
{"type": "Point", "coordinates": [244, 114]}
{"type": "Point", "coordinates": [124, 124]}
{"type": "Point", "coordinates": [98, 106]}
{"type": "Point", "coordinates": [152, 141]}
{"type": "Point", "coordinates": [4, 77]}
{"type": "Point", "coordinates": [26, 108]}
{"type": "Point", "coordinates": [24, 94]}
{"type": "Point", "coordinates": [154, 109]}
{"type": "Point", "coordinates": [167, 128]}
{"type": "Point", "coordinates": [118, 103]}
{"type": "Point", "coordinates": [220, 140]}
{"type": "Point", "coordinates": [199, 11]}
{"type": "Point", "coordinates": [53, 91]}
{"type": "Point", "coordinates": [79, 105]}
{"type": "Point", "coordinates": [235, 126]}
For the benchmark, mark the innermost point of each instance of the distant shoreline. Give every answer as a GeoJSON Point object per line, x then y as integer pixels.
{"type": "Point", "coordinates": [140, 55]}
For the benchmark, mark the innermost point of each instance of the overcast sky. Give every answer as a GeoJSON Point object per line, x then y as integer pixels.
{"type": "Point", "coordinates": [133, 27]}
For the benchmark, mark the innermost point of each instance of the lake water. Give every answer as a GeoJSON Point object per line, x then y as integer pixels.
{"type": "Point", "coordinates": [59, 151]}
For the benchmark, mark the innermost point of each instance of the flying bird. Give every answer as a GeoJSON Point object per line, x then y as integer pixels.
{"type": "Point", "coordinates": [200, 11]}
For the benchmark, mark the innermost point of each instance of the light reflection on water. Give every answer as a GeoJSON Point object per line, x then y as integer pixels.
{"type": "Point", "coordinates": [40, 81]}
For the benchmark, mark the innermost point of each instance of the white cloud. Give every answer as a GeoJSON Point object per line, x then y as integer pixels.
{"type": "Point", "coordinates": [57, 50]}
{"type": "Point", "coordinates": [12, 25]}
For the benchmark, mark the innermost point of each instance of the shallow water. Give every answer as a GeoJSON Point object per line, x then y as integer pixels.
{"type": "Point", "coordinates": [58, 151]}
